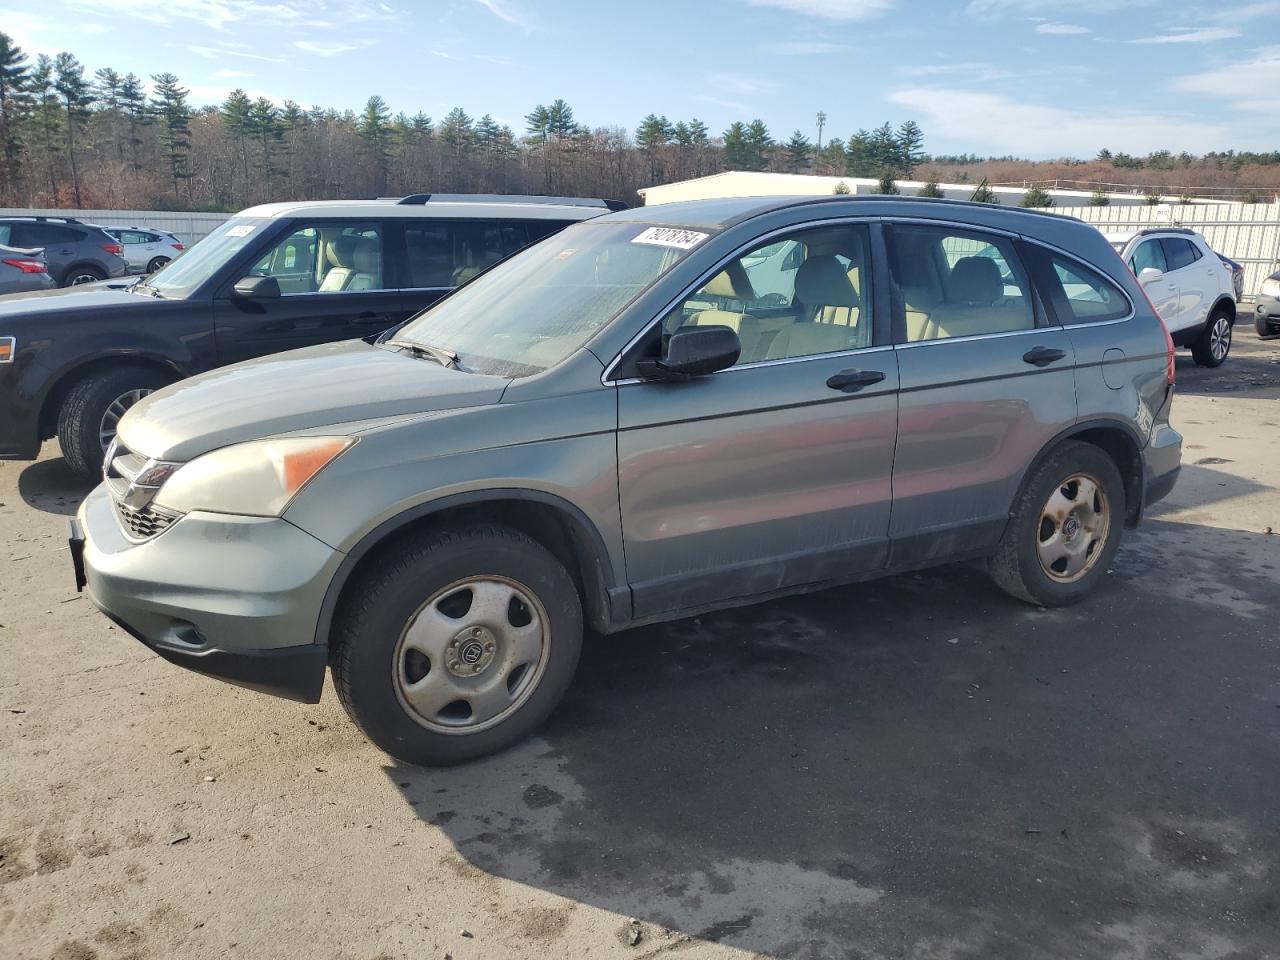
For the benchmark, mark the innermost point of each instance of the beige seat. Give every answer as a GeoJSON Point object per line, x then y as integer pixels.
{"type": "Point", "coordinates": [356, 265]}
{"type": "Point", "coordinates": [827, 303]}
{"type": "Point", "coordinates": [920, 302]}
{"type": "Point", "coordinates": [976, 303]}
{"type": "Point", "coordinates": [732, 283]}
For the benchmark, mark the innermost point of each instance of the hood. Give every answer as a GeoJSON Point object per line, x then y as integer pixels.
{"type": "Point", "coordinates": [104, 295]}
{"type": "Point", "coordinates": [329, 385]}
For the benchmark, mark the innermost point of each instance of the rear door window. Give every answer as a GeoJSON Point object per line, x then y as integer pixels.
{"type": "Point", "coordinates": [1179, 253]}
{"type": "Point", "coordinates": [448, 253]}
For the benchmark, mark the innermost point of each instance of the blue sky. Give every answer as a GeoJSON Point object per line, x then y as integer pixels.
{"type": "Point", "coordinates": [1029, 77]}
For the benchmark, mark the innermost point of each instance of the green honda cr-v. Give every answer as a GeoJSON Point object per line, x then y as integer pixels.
{"type": "Point", "coordinates": [655, 413]}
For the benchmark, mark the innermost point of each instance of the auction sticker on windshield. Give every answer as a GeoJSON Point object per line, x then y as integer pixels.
{"type": "Point", "coordinates": [671, 237]}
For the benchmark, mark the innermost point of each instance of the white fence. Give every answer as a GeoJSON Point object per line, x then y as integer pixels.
{"type": "Point", "coordinates": [187, 227]}
{"type": "Point", "coordinates": [1248, 233]}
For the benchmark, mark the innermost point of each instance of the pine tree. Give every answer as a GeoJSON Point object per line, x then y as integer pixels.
{"type": "Point", "coordinates": [652, 135]}
{"type": "Point", "coordinates": [1099, 198]}
{"type": "Point", "coordinates": [931, 188]}
{"type": "Point", "coordinates": [264, 121]}
{"type": "Point", "coordinates": [456, 130]}
{"type": "Point", "coordinates": [883, 148]}
{"type": "Point", "coordinates": [372, 129]}
{"type": "Point", "coordinates": [758, 144]}
{"type": "Point", "coordinates": [736, 151]}
{"type": "Point", "coordinates": [798, 149]}
{"type": "Point", "coordinates": [46, 120]}
{"type": "Point", "coordinates": [71, 85]}
{"type": "Point", "coordinates": [560, 120]}
{"type": "Point", "coordinates": [169, 104]}
{"type": "Point", "coordinates": [910, 146]}
{"type": "Point", "coordinates": [236, 114]}
{"type": "Point", "coordinates": [859, 158]}
{"type": "Point", "coordinates": [984, 193]}
{"type": "Point", "coordinates": [1036, 197]}
{"type": "Point", "coordinates": [538, 124]}
{"type": "Point", "coordinates": [133, 104]}
{"type": "Point", "coordinates": [887, 185]}
{"type": "Point", "coordinates": [14, 74]}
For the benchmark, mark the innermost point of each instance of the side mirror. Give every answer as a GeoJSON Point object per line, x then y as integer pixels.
{"type": "Point", "coordinates": [256, 288]}
{"type": "Point", "coordinates": [1150, 274]}
{"type": "Point", "coordinates": [694, 352]}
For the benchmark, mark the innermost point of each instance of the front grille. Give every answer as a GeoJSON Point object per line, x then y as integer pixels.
{"type": "Point", "coordinates": [133, 480]}
{"type": "Point", "coordinates": [145, 523]}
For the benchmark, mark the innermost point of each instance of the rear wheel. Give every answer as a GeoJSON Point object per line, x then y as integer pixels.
{"type": "Point", "coordinates": [1214, 344]}
{"type": "Point", "coordinates": [156, 263]}
{"type": "Point", "coordinates": [1263, 327]}
{"type": "Point", "coordinates": [79, 275]}
{"type": "Point", "coordinates": [92, 410]}
{"type": "Point", "coordinates": [458, 645]}
{"type": "Point", "coordinates": [1065, 528]}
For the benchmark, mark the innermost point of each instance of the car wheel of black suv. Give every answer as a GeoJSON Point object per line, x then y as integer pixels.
{"type": "Point", "coordinates": [93, 408]}
{"type": "Point", "coordinates": [1064, 530]}
{"type": "Point", "coordinates": [457, 644]}
{"type": "Point", "coordinates": [78, 275]}
{"type": "Point", "coordinates": [1212, 347]}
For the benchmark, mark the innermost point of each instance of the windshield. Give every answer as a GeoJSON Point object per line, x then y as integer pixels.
{"type": "Point", "coordinates": [203, 260]}
{"type": "Point", "coordinates": [533, 310]}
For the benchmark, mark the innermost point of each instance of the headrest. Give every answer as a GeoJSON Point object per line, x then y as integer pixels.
{"type": "Point", "coordinates": [976, 280]}
{"type": "Point", "coordinates": [731, 283]}
{"type": "Point", "coordinates": [366, 257]}
{"type": "Point", "coordinates": [342, 251]}
{"type": "Point", "coordinates": [822, 281]}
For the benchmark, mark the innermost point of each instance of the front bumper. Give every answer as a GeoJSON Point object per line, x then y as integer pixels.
{"type": "Point", "coordinates": [1268, 307]}
{"type": "Point", "coordinates": [236, 598]}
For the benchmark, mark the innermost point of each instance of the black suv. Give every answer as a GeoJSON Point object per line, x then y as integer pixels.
{"type": "Point", "coordinates": [272, 278]}
{"type": "Point", "coordinates": [75, 252]}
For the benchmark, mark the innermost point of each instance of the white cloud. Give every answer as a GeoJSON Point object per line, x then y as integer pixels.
{"type": "Point", "coordinates": [221, 14]}
{"type": "Point", "coordinates": [1246, 11]}
{"type": "Point", "coordinates": [1062, 29]}
{"type": "Point", "coordinates": [972, 72]}
{"type": "Point", "coordinates": [214, 53]}
{"type": "Point", "coordinates": [830, 9]}
{"type": "Point", "coordinates": [230, 74]}
{"type": "Point", "coordinates": [800, 48]}
{"type": "Point", "coordinates": [1192, 35]}
{"type": "Point", "coordinates": [996, 124]}
{"type": "Point", "coordinates": [993, 8]}
{"type": "Point", "coordinates": [1245, 85]}
{"type": "Point", "coordinates": [327, 49]}
{"type": "Point", "coordinates": [507, 12]}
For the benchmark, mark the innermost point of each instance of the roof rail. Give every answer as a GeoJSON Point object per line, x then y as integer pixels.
{"type": "Point", "coordinates": [42, 217]}
{"type": "Point", "coordinates": [422, 198]}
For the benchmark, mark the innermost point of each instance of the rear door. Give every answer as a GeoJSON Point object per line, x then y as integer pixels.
{"type": "Point", "coordinates": [333, 280]}
{"type": "Point", "coordinates": [775, 472]}
{"type": "Point", "coordinates": [60, 244]}
{"type": "Point", "coordinates": [986, 381]}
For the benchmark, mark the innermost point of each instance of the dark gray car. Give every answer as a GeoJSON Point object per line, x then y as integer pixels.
{"type": "Point", "coordinates": [659, 412]}
{"type": "Point", "coordinates": [23, 270]}
{"type": "Point", "coordinates": [75, 252]}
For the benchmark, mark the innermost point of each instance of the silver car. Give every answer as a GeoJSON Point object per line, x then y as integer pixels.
{"type": "Point", "coordinates": [651, 414]}
{"type": "Point", "coordinates": [22, 270]}
{"type": "Point", "coordinates": [147, 249]}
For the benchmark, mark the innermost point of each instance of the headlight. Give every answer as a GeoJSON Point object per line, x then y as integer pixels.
{"type": "Point", "coordinates": [1271, 288]}
{"type": "Point", "coordinates": [256, 479]}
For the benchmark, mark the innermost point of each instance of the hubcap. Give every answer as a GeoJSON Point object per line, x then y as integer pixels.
{"type": "Point", "coordinates": [1220, 338]}
{"type": "Point", "coordinates": [1073, 528]}
{"type": "Point", "coordinates": [80, 278]}
{"type": "Point", "coordinates": [115, 410]}
{"type": "Point", "coordinates": [471, 655]}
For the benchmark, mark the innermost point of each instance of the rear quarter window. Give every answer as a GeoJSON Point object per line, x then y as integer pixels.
{"type": "Point", "coordinates": [1079, 294]}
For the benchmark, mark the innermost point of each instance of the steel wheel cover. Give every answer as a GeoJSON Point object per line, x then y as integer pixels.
{"type": "Point", "coordinates": [1074, 524]}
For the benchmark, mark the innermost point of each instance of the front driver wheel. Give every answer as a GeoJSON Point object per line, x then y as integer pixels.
{"type": "Point", "coordinates": [92, 410]}
{"type": "Point", "coordinates": [1065, 528]}
{"type": "Point", "coordinates": [457, 645]}
{"type": "Point", "coordinates": [1215, 343]}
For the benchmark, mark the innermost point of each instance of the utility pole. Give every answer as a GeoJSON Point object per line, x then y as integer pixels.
{"type": "Point", "coordinates": [822, 122]}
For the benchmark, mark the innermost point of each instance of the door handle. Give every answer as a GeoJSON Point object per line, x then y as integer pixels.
{"type": "Point", "coordinates": [853, 380]}
{"type": "Point", "coordinates": [1043, 356]}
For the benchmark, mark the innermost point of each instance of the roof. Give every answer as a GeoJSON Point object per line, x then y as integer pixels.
{"type": "Point", "coordinates": [726, 211]}
{"type": "Point", "coordinates": [1116, 236]}
{"type": "Point", "coordinates": [447, 210]}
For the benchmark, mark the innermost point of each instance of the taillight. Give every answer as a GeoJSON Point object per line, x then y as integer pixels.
{"type": "Point", "coordinates": [178, 246]}
{"type": "Point", "coordinates": [113, 248]}
{"type": "Point", "coordinates": [1170, 362]}
{"type": "Point", "coordinates": [26, 266]}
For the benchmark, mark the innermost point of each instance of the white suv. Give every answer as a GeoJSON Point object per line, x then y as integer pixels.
{"type": "Point", "coordinates": [1189, 285]}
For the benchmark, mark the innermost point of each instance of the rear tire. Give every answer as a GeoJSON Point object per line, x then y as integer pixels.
{"type": "Point", "coordinates": [95, 404]}
{"type": "Point", "coordinates": [79, 275]}
{"type": "Point", "coordinates": [1262, 326]}
{"type": "Point", "coordinates": [1211, 348]}
{"type": "Point", "coordinates": [1058, 524]}
{"type": "Point", "coordinates": [403, 641]}
{"type": "Point", "coordinates": [156, 264]}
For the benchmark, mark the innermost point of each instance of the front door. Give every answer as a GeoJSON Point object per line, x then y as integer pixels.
{"type": "Point", "coordinates": [775, 472]}
{"type": "Point", "coordinates": [1162, 291]}
{"type": "Point", "coordinates": [331, 278]}
{"type": "Point", "coordinates": [986, 382]}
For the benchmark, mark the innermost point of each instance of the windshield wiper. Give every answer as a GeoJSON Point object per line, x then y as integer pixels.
{"type": "Point", "coordinates": [446, 358]}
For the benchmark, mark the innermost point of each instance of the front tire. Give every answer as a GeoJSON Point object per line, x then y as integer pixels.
{"type": "Point", "coordinates": [1065, 528]}
{"type": "Point", "coordinates": [457, 645]}
{"type": "Point", "coordinates": [1261, 324]}
{"type": "Point", "coordinates": [92, 410]}
{"type": "Point", "coordinates": [1212, 346]}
